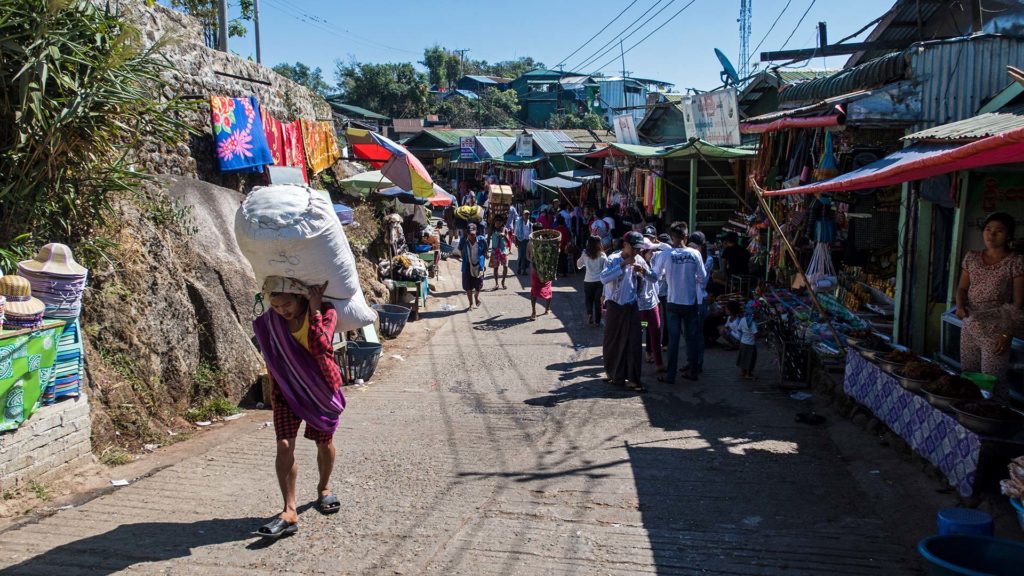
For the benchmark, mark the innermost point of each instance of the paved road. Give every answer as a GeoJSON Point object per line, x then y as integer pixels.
{"type": "Point", "coordinates": [493, 447]}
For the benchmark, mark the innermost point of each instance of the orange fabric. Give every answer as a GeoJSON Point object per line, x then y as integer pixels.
{"type": "Point", "coordinates": [320, 144]}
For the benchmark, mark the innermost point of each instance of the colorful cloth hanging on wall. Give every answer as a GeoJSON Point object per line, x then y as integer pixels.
{"type": "Point", "coordinates": [274, 131]}
{"type": "Point", "coordinates": [26, 362]}
{"type": "Point", "coordinates": [285, 142]}
{"type": "Point", "coordinates": [321, 145]}
{"type": "Point", "coordinates": [239, 140]}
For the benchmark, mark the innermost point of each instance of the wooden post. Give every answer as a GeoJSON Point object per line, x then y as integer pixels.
{"type": "Point", "coordinates": [796, 261]}
{"type": "Point", "coordinates": [693, 194]}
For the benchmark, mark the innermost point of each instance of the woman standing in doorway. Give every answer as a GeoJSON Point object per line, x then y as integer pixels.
{"type": "Point", "coordinates": [990, 301]}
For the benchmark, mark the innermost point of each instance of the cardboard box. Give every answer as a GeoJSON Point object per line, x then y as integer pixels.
{"type": "Point", "coordinates": [500, 194]}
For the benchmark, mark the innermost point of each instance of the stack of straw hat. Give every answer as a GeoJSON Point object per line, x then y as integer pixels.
{"type": "Point", "coordinates": [57, 280]}
{"type": "Point", "coordinates": [21, 310]}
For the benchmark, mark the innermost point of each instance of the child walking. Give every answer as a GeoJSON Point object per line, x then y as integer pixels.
{"type": "Point", "coordinates": [746, 328]}
{"type": "Point", "coordinates": [499, 247]}
{"type": "Point", "coordinates": [296, 340]}
{"type": "Point", "coordinates": [593, 260]}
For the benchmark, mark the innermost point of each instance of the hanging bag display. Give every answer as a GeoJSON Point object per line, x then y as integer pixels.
{"type": "Point", "coordinates": [821, 276]}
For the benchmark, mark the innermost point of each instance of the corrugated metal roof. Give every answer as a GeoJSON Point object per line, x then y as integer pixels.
{"type": "Point", "coordinates": [974, 128]}
{"type": "Point", "coordinates": [958, 76]}
{"type": "Point", "coordinates": [451, 136]}
{"type": "Point", "coordinates": [791, 76]}
{"type": "Point", "coordinates": [481, 79]}
{"type": "Point", "coordinates": [496, 146]}
{"type": "Point", "coordinates": [356, 110]}
{"type": "Point", "coordinates": [464, 93]}
{"type": "Point", "coordinates": [872, 74]}
{"type": "Point", "coordinates": [894, 26]}
{"type": "Point", "coordinates": [551, 141]}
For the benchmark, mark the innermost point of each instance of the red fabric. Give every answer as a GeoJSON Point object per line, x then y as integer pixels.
{"type": "Point", "coordinates": [785, 123]}
{"type": "Point", "coordinates": [294, 150]}
{"type": "Point", "coordinates": [564, 240]}
{"type": "Point", "coordinates": [286, 422]}
{"type": "Point", "coordinates": [274, 132]}
{"type": "Point", "coordinates": [539, 289]}
{"type": "Point", "coordinates": [1005, 148]}
{"type": "Point", "coordinates": [321, 345]}
{"type": "Point", "coordinates": [375, 154]}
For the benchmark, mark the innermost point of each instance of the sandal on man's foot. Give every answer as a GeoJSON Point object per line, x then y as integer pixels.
{"type": "Point", "coordinates": [636, 386]}
{"type": "Point", "coordinates": [328, 504]}
{"type": "Point", "coordinates": [277, 528]}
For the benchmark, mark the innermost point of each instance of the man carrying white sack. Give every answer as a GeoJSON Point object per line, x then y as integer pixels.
{"type": "Point", "coordinates": [295, 337]}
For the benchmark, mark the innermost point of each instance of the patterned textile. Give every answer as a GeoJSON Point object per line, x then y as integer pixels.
{"type": "Point", "coordinates": [26, 362]}
{"type": "Point", "coordinates": [294, 149]}
{"type": "Point", "coordinates": [274, 131]}
{"type": "Point", "coordinates": [239, 140]}
{"type": "Point", "coordinates": [936, 436]}
{"type": "Point", "coordinates": [320, 144]}
{"type": "Point", "coordinates": [286, 422]}
{"type": "Point", "coordinates": [65, 379]}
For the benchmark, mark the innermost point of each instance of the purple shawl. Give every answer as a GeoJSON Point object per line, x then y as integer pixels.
{"type": "Point", "coordinates": [297, 374]}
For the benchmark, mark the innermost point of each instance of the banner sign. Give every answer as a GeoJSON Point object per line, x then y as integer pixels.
{"type": "Point", "coordinates": [625, 130]}
{"type": "Point", "coordinates": [467, 148]}
{"type": "Point", "coordinates": [524, 145]}
{"type": "Point", "coordinates": [713, 117]}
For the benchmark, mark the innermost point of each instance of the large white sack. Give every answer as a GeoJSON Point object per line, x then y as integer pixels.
{"type": "Point", "coordinates": [292, 231]}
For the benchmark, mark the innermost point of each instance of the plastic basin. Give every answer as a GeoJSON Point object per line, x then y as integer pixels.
{"type": "Point", "coordinates": [966, 555]}
{"type": "Point", "coordinates": [964, 521]}
{"type": "Point", "coordinates": [1018, 507]}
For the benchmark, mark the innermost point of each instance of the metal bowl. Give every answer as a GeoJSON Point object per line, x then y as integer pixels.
{"type": "Point", "coordinates": [944, 403]}
{"type": "Point", "coordinates": [909, 383]}
{"type": "Point", "coordinates": [888, 366]}
{"type": "Point", "coordinates": [1002, 427]}
{"type": "Point", "coordinates": [868, 353]}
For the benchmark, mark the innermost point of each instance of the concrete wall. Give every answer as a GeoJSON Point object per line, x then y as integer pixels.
{"type": "Point", "coordinates": [201, 72]}
{"type": "Point", "coordinates": [53, 443]}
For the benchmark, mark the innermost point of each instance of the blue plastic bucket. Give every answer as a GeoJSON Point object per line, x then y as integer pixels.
{"type": "Point", "coordinates": [963, 555]}
{"type": "Point", "coordinates": [964, 521]}
{"type": "Point", "coordinates": [1018, 508]}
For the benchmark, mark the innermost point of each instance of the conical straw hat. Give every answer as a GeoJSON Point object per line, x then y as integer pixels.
{"type": "Point", "coordinates": [55, 259]}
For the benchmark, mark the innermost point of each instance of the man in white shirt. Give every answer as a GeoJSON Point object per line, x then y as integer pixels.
{"type": "Point", "coordinates": [682, 268]}
{"type": "Point", "coordinates": [623, 277]}
{"type": "Point", "coordinates": [523, 229]}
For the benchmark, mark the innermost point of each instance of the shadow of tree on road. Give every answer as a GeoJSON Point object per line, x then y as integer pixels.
{"type": "Point", "coordinates": [496, 323]}
{"type": "Point", "coordinates": [581, 391]}
{"type": "Point", "coordinates": [131, 544]}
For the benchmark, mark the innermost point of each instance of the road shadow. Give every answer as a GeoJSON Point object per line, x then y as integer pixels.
{"type": "Point", "coordinates": [496, 323]}
{"type": "Point", "coordinates": [131, 544]}
{"type": "Point", "coordinates": [588, 390]}
{"type": "Point", "coordinates": [668, 410]}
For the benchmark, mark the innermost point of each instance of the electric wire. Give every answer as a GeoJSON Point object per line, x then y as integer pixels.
{"type": "Point", "coordinates": [612, 21]}
{"type": "Point", "coordinates": [600, 52]}
{"type": "Point", "coordinates": [797, 27]}
{"type": "Point", "coordinates": [651, 33]}
{"type": "Point", "coordinates": [322, 24]}
{"type": "Point", "coordinates": [765, 37]}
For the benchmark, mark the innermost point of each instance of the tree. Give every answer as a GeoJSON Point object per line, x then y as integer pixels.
{"type": "Point", "coordinates": [311, 78]}
{"type": "Point", "coordinates": [436, 61]}
{"type": "Point", "coordinates": [492, 109]}
{"type": "Point", "coordinates": [397, 90]}
{"type": "Point", "coordinates": [206, 12]}
{"type": "Point", "coordinates": [574, 120]}
{"type": "Point", "coordinates": [513, 68]}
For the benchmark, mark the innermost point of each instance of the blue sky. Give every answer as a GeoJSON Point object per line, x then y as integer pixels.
{"type": "Point", "coordinates": [320, 32]}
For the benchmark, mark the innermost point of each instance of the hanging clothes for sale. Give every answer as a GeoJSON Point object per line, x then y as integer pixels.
{"type": "Point", "coordinates": [239, 140]}
{"type": "Point", "coordinates": [274, 131]}
{"type": "Point", "coordinates": [659, 195]}
{"type": "Point", "coordinates": [294, 150]}
{"type": "Point", "coordinates": [320, 143]}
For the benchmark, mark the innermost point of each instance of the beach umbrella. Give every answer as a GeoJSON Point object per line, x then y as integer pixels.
{"type": "Point", "coordinates": [367, 181]}
{"type": "Point", "coordinates": [441, 197]}
{"type": "Point", "coordinates": [393, 159]}
{"type": "Point", "coordinates": [396, 193]}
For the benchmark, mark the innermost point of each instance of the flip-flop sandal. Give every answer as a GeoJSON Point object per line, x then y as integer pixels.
{"type": "Point", "coordinates": [635, 387]}
{"type": "Point", "coordinates": [277, 528]}
{"type": "Point", "coordinates": [328, 504]}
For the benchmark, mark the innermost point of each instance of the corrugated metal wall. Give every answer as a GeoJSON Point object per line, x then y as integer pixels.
{"type": "Point", "coordinates": [612, 97]}
{"type": "Point", "coordinates": [958, 77]}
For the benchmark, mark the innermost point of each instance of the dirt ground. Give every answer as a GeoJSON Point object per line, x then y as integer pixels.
{"type": "Point", "coordinates": [488, 444]}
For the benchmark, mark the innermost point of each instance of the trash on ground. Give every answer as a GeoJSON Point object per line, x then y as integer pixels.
{"type": "Point", "coordinates": [266, 425]}
{"type": "Point", "coordinates": [204, 423]}
{"type": "Point", "coordinates": [118, 482]}
{"type": "Point", "coordinates": [234, 416]}
{"type": "Point", "coordinates": [398, 357]}
{"type": "Point", "coordinates": [801, 396]}
{"type": "Point", "coordinates": [446, 308]}
{"type": "Point", "coordinates": [150, 447]}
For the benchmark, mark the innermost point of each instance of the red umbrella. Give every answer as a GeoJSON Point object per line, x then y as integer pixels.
{"type": "Point", "coordinates": [393, 159]}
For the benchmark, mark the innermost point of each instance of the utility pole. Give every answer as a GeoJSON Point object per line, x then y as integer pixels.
{"type": "Point", "coordinates": [625, 102]}
{"type": "Point", "coordinates": [462, 61]}
{"type": "Point", "coordinates": [256, 25]}
{"type": "Point", "coordinates": [222, 25]}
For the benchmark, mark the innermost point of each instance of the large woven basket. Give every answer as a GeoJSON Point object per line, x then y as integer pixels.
{"type": "Point", "coordinates": [545, 253]}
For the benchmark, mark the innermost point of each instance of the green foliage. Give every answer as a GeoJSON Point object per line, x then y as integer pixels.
{"type": "Point", "coordinates": [445, 68]}
{"type": "Point", "coordinates": [506, 68]}
{"type": "Point", "coordinates": [311, 78]}
{"type": "Point", "coordinates": [206, 12]}
{"type": "Point", "coordinates": [436, 59]}
{"type": "Point", "coordinates": [571, 120]}
{"type": "Point", "coordinates": [211, 409]}
{"type": "Point", "coordinates": [79, 92]}
{"type": "Point", "coordinates": [397, 90]}
{"type": "Point", "coordinates": [40, 490]}
{"type": "Point", "coordinates": [493, 109]}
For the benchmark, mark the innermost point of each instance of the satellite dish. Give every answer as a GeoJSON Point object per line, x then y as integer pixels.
{"type": "Point", "coordinates": [728, 73]}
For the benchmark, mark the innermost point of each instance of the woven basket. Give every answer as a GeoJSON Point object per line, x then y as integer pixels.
{"type": "Point", "coordinates": [545, 253]}
{"type": "Point", "coordinates": [358, 361]}
{"type": "Point", "coordinates": [392, 319]}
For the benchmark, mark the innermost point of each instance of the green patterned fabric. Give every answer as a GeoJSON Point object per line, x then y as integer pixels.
{"type": "Point", "coordinates": [26, 362]}
{"type": "Point", "coordinates": [545, 253]}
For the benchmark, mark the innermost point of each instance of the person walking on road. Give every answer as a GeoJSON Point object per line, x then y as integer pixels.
{"type": "Point", "coordinates": [593, 260]}
{"type": "Point", "coordinates": [295, 338]}
{"type": "Point", "coordinates": [683, 268]}
{"type": "Point", "coordinates": [523, 229]}
{"type": "Point", "coordinates": [623, 278]}
{"type": "Point", "coordinates": [538, 289]}
{"type": "Point", "coordinates": [648, 303]}
{"type": "Point", "coordinates": [474, 264]}
{"type": "Point", "coordinates": [499, 252]}
{"type": "Point", "coordinates": [698, 242]}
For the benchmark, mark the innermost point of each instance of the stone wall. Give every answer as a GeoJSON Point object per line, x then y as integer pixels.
{"type": "Point", "coordinates": [53, 443]}
{"type": "Point", "coordinates": [201, 72]}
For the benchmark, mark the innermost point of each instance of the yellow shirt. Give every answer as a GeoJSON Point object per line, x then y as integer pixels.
{"type": "Point", "coordinates": [302, 334]}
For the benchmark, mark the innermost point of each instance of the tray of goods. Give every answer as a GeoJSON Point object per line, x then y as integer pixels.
{"type": "Point", "coordinates": [916, 373]}
{"type": "Point", "coordinates": [894, 359]}
{"type": "Point", "coordinates": [988, 417]}
{"type": "Point", "coordinates": [948, 389]}
{"type": "Point", "coordinates": [872, 346]}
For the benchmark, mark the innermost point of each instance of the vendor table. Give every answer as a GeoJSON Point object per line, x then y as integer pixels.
{"type": "Point", "coordinates": [26, 363]}
{"type": "Point", "coordinates": [936, 436]}
{"type": "Point", "coordinates": [420, 288]}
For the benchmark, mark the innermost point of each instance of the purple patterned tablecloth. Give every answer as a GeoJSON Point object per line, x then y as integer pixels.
{"type": "Point", "coordinates": [936, 436]}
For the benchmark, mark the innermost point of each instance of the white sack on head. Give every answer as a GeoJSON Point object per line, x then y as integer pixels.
{"type": "Point", "coordinates": [292, 231]}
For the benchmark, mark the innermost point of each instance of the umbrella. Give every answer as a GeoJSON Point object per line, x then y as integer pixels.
{"type": "Point", "coordinates": [394, 161]}
{"type": "Point", "coordinates": [366, 181]}
{"type": "Point", "coordinates": [440, 197]}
